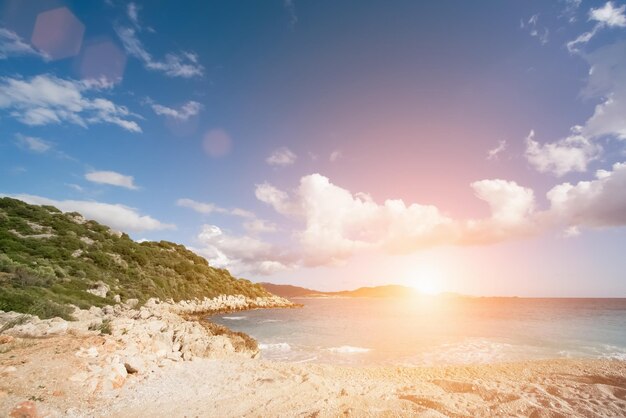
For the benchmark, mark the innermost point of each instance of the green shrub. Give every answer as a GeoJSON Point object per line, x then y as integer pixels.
{"type": "Point", "coordinates": [41, 276]}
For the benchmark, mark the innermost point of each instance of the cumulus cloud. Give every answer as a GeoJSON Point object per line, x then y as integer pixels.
{"type": "Point", "coordinates": [112, 178]}
{"type": "Point", "coordinates": [116, 216]}
{"type": "Point", "coordinates": [510, 203]}
{"type": "Point", "coordinates": [240, 254]}
{"type": "Point", "coordinates": [573, 153]}
{"type": "Point", "coordinates": [607, 81]}
{"type": "Point", "coordinates": [513, 214]}
{"type": "Point", "coordinates": [33, 144]}
{"type": "Point", "coordinates": [281, 157]}
{"type": "Point", "coordinates": [334, 224]}
{"type": "Point", "coordinates": [277, 199]}
{"type": "Point", "coordinates": [494, 153]}
{"type": "Point", "coordinates": [183, 113]}
{"type": "Point", "coordinates": [338, 223]}
{"type": "Point", "coordinates": [182, 64]}
{"type": "Point", "coordinates": [46, 99]}
{"type": "Point", "coordinates": [596, 203]}
{"type": "Point", "coordinates": [12, 45]}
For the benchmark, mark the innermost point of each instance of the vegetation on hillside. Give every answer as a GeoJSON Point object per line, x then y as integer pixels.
{"type": "Point", "coordinates": [49, 259]}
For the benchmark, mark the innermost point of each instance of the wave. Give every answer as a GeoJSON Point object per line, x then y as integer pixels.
{"type": "Point", "coordinates": [478, 351]}
{"type": "Point", "coordinates": [234, 318]}
{"type": "Point", "coordinates": [271, 320]}
{"type": "Point", "coordinates": [348, 349]}
{"type": "Point", "coordinates": [275, 347]}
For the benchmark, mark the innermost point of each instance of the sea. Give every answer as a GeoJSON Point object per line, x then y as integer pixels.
{"type": "Point", "coordinates": [427, 331]}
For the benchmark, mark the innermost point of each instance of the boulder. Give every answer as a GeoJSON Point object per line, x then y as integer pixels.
{"type": "Point", "coordinates": [101, 289]}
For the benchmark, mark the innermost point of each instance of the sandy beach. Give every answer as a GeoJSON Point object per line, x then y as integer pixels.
{"type": "Point", "coordinates": [37, 378]}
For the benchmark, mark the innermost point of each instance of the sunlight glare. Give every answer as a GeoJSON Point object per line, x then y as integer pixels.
{"type": "Point", "coordinates": [427, 280]}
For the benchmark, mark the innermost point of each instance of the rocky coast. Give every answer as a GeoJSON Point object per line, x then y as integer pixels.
{"type": "Point", "coordinates": [113, 345]}
{"type": "Point", "coordinates": [160, 360]}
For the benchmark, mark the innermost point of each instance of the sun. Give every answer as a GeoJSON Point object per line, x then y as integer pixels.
{"type": "Point", "coordinates": [426, 280]}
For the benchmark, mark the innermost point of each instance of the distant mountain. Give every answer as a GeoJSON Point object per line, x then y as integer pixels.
{"type": "Point", "coordinates": [388, 291]}
{"type": "Point", "coordinates": [289, 291]}
{"type": "Point", "coordinates": [49, 259]}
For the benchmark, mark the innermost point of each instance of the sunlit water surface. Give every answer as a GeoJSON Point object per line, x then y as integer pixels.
{"type": "Point", "coordinates": [434, 331]}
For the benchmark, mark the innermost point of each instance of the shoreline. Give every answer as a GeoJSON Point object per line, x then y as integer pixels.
{"type": "Point", "coordinates": [169, 359]}
{"type": "Point", "coordinates": [239, 386]}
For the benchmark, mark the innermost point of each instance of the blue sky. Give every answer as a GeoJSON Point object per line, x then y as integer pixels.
{"type": "Point", "coordinates": [446, 144]}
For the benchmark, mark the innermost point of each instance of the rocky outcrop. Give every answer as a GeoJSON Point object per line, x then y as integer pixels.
{"type": "Point", "coordinates": [139, 340]}
{"type": "Point", "coordinates": [101, 289]}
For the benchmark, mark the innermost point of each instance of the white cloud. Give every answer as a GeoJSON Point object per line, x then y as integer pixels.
{"type": "Point", "coordinates": [116, 216]}
{"type": "Point", "coordinates": [240, 254]}
{"type": "Point", "coordinates": [510, 203]}
{"type": "Point", "coordinates": [183, 64]}
{"type": "Point", "coordinates": [573, 153]}
{"type": "Point", "coordinates": [335, 224]}
{"type": "Point", "coordinates": [597, 203]}
{"type": "Point", "coordinates": [259, 226]}
{"type": "Point", "coordinates": [513, 214]}
{"type": "Point", "coordinates": [281, 157]}
{"type": "Point", "coordinates": [132, 10]}
{"type": "Point", "coordinates": [46, 99]}
{"type": "Point", "coordinates": [12, 45]}
{"type": "Point", "coordinates": [609, 15]}
{"type": "Point", "coordinates": [183, 113]}
{"type": "Point", "coordinates": [542, 34]}
{"type": "Point", "coordinates": [277, 199]}
{"type": "Point", "coordinates": [208, 208]}
{"type": "Point", "coordinates": [335, 155]}
{"type": "Point", "coordinates": [606, 16]}
{"type": "Point", "coordinates": [112, 178]}
{"type": "Point", "coordinates": [607, 79]}
{"type": "Point", "coordinates": [338, 223]}
{"type": "Point", "coordinates": [242, 213]}
{"type": "Point", "coordinates": [200, 207]}
{"type": "Point", "coordinates": [493, 154]}
{"type": "Point", "coordinates": [33, 144]}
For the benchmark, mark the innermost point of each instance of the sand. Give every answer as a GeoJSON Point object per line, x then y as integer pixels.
{"type": "Point", "coordinates": [36, 374]}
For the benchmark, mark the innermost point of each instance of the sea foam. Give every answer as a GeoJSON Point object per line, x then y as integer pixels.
{"type": "Point", "coordinates": [275, 347]}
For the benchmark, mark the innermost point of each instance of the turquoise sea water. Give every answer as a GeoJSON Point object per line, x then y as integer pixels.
{"type": "Point", "coordinates": [434, 331]}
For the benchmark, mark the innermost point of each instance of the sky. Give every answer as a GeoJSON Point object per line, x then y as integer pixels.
{"type": "Point", "coordinates": [471, 147]}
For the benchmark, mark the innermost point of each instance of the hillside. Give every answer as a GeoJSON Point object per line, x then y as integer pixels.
{"type": "Point", "coordinates": [49, 259]}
